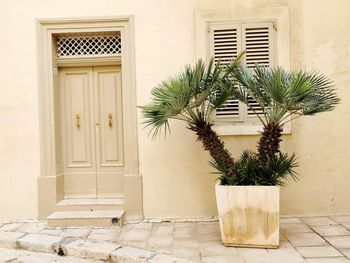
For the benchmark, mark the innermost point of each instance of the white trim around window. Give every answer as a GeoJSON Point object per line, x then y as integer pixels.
{"type": "Point", "coordinates": [278, 17]}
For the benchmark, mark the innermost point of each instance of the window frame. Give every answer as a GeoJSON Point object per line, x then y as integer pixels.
{"type": "Point", "coordinates": [280, 17]}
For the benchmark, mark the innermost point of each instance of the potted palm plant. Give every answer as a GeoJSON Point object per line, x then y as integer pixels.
{"type": "Point", "coordinates": [249, 207]}
{"type": "Point", "coordinates": [247, 192]}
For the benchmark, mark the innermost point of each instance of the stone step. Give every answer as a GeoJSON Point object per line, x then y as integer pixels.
{"type": "Point", "coordinates": [90, 204]}
{"type": "Point", "coordinates": [98, 218]}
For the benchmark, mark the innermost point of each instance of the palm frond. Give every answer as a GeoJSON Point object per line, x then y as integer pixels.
{"type": "Point", "coordinates": [322, 98]}
{"type": "Point", "coordinates": [280, 92]}
{"type": "Point", "coordinates": [155, 118]}
{"type": "Point", "coordinates": [189, 94]}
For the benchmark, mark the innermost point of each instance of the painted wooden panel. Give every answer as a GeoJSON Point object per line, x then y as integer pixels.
{"type": "Point", "coordinates": [109, 135]}
{"type": "Point", "coordinates": [77, 119]}
{"type": "Point", "coordinates": [78, 138]}
{"type": "Point", "coordinates": [248, 215]}
{"type": "Point", "coordinates": [109, 110]}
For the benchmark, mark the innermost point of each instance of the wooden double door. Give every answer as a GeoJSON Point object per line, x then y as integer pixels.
{"type": "Point", "coordinates": [91, 118]}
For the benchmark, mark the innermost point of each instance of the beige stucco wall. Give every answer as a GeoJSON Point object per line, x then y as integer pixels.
{"type": "Point", "coordinates": [176, 177]}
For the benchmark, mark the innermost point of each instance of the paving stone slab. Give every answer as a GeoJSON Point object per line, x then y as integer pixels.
{"type": "Point", "coordinates": [107, 234]}
{"type": "Point", "coordinates": [184, 232]}
{"type": "Point", "coordinates": [9, 239]}
{"type": "Point", "coordinates": [282, 237]}
{"type": "Point", "coordinates": [294, 228]}
{"type": "Point", "coordinates": [39, 243]}
{"type": "Point", "coordinates": [76, 232]}
{"type": "Point", "coordinates": [339, 241]}
{"type": "Point", "coordinates": [332, 230]}
{"type": "Point", "coordinates": [185, 224]}
{"type": "Point", "coordinates": [341, 218]}
{"type": "Point", "coordinates": [209, 238]}
{"type": "Point", "coordinates": [143, 226]}
{"type": "Point", "coordinates": [32, 228]}
{"type": "Point", "coordinates": [91, 249]}
{"type": "Point", "coordinates": [159, 241]}
{"type": "Point", "coordinates": [166, 230]}
{"type": "Point", "coordinates": [215, 248]}
{"type": "Point", "coordinates": [8, 255]}
{"type": "Point", "coordinates": [128, 226]}
{"type": "Point", "coordinates": [346, 252]}
{"type": "Point", "coordinates": [327, 260]}
{"type": "Point", "coordinates": [187, 252]}
{"type": "Point", "coordinates": [318, 252]}
{"type": "Point", "coordinates": [305, 239]}
{"type": "Point", "coordinates": [290, 220]}
{"type": "Point", "coordinates": [161, 258]}
{"type": "Point", "coordinates": [318, 221]}
{"type": "Point", "coordinates": [134, 235]}
{"type": "Point", "coordinates": [286, 253]}
{"type": "Point", "coordinates": [10, 226]}
{"type": "Point", "coordinates": [224, 259]}
{"type": "Point", "coordinates": [163, 250]}
{"type": "Point", "coordinates": [47, 258]}
{"type": "Point", "coordinates": [52, 231]}
{"type": "Point", "coordinates": [283, 244]}
{"type": "Point", "coordinates": [186, 242]}
{"type": "Point", "coordinates": [128, 254]}
{"type": "Point", "coordinates": [208, 228]}
{"type": "Point", "coordinates": [137, 244]}
{"type": "Point", "coordinates": [252, 252]}
{"type": "Point", "coordinates": [21, 256]}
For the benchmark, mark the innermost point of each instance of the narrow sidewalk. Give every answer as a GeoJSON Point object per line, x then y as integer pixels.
{"type": "Point", "coordinates": [303, 239]}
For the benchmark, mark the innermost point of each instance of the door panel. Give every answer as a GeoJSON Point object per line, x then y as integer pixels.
{"type": "Point", "coordinates": [77, 131]}
{"type": "Point", "coordinates": [78, 120]}
{"type": "Point", "coordinates": [107, 83]}
{"type": "Point", "coordinates": [109, 141]}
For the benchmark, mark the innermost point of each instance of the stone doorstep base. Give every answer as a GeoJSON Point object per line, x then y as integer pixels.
{"type": "Point", "coordinates": [88, 249]}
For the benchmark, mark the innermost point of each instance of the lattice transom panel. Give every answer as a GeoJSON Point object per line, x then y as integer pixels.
{"type": "Point", "coordinates": [88, 44]}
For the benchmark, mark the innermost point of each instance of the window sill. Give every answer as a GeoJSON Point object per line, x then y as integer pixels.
{"type": "Point", "coordinates": [245, 129]}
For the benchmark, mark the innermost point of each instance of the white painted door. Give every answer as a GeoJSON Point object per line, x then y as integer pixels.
{"type": "Point", "coordinates": [92, 131]}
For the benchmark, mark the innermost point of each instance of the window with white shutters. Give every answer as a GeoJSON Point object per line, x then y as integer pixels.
{"type": "Point", "coordinates": [226, 41]}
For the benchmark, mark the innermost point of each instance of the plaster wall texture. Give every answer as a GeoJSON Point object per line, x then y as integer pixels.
{"type": "Point", "coordinates": [176, 178]}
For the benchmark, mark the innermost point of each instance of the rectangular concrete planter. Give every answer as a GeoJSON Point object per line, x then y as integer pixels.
{"type": "Point", "coordinates": [248, 215]}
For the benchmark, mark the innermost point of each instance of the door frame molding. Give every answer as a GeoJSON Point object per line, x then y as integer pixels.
{"type": "Point", "coordinates": [50, 183]}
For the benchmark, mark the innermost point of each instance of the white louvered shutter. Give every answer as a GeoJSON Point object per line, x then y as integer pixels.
{"type": "Point", "coordinates": [258, 44]}
{"type": "Point", "coordinates": [226, 41]}
{"type": "Point", "coordinates": [225, 44]}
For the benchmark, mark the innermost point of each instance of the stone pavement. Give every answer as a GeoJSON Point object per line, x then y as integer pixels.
{"type": "Point", "coordinates": [303, 239]}
{"type": "Point", "coordinates": [23, 256]}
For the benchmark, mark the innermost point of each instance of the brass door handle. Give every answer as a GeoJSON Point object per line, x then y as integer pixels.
{"type": "Point", "coordinates": [110, 120]}
{"type": "Point", "coordinates": [77, 120]}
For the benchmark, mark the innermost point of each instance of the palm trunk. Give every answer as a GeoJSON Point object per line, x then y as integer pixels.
{"type": "Point", "coordinates": [269, 143]}
{"type": "Point", "coordinates": [214, 146]}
